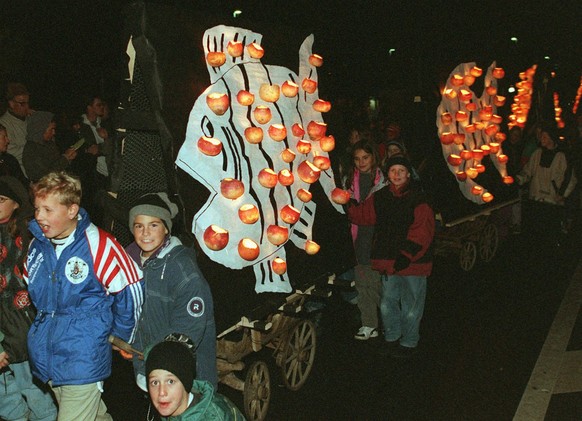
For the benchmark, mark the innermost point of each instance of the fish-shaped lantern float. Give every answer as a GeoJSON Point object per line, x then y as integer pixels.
{"type": "Point", "coordinates": [257, 141]}
{"type": "Point", "coordinates": [468, 128]}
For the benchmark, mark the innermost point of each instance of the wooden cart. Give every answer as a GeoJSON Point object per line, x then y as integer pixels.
{"type": "Point", "coordinates": [475, 235]}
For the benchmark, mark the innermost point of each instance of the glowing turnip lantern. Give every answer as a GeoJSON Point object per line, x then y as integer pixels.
{"type": "Point", "coordinates": [254, 135]}
{"type": "Point", "coordinates": [461, 116]}
{"type": "Point", "coordinates": [457, 80]}
{"type": "Point", "coordinates": [327, 143]}
{"type": "Point", "coordinates": [499, 101]}
{"type": "Point", "coordinates": [447, 138]}
{"type": "Point", "coordinates": [303, 147]}
{"type": "Point", "coordinates": [268, 178]}
{"type": "Point", "coordinates": [289, 88]}
{"type": "Point", "coordinates": [498, 73]}
{"type": "Point", "coordinates": [308, 172]}
{"type": "Point", "coordinates": [502, 158]}
{"type": "Point", "coordinates": [494, 147]}
{"type": "Point", "coordinates": [285, 177]}
{"type": "Point", "coordinates": [480, 168]}
{"type": "Point", "coordinates": [496, 119]}
{"type": "Point", "coordinates": [450, 93]}
{"type": "Point", "coordinates": [245, 98]}
{"type": "Point", "coordinates": [477, 190]}
{"type": "Point", "coordinates": [248, 249]}
{"type": "Point", "coordinates": [321, 106]}
{"type": "Point", "coordinates": [255, 50]}
{"type": "Point", "coordinates": [311, 247]}
{"type": "Point", "coordinates": [491, 90]}
{"type": "Point", "coordinates": [216, 58]}
{"type": "Point", "coordinates": [478, 154]}
{"type": "Point", "coordinates": [209, 146]}
{"type": "Point", "coordinates": [507, 179]}
{"type": "Point", "coordinates": [289, 214]}
{"type": "Point", "coordinates": [466, 154]}
{"type": "Point", "coordinates": [486, 149]}
{"type": "Point", "coordinates": [471, 106]}
{"type": "Point", "coordinates": [454, 160]}
{"type": "Point", "coordinates": [277, 234]}
{"type": "Point", "coordinates": [491, 129]}
{"type": "Point", "coordinates": [297, 130]}
{"type": "Point", "coordinates": [215, 237]}
{"type": "Point", "coordinates": [486, 113]}
{"type": "Point", "coordinates": [476, 71]}
{"type": "Point", "coordinates": [277, 132]}
{"type": "Point", "coordinates": [316, 60]}
{"type": "Point", "coordinates": [470, 128]}
{"type": "Point", "coordinates": [340, 196]}
{"type": "Point", "coordinates": [469, 79]}
{"type": "Point", "coordinates": [262, 114]}
{"type": "Point", "coordinates": [447, 118]}
{"type": "Point", "coordinates": [309, 85]}
{"type": "Point", "coordinates": [288, 155]}
{"type": "Point", "coordinates": [235, 48]}
{"type": "Point", "coordinates": [316, 130]}
{"type": "Point", "coordinates": [304, 195]}
{"type": "Point", "coordinates": [231, 188]}
{"type": "Point", "coordinates": [322, 162]}
{"type": "Point", "coordinates": [500, 137]}
{"type": "Point", "coordinates": [461, 175]}
{"type": "Point", "coordinates": [465, 95]}
{"type": "Point", "coordinates": [459, 138]}
{"type": "Point", "coordinates": [487, 197]}
{"type": "Point", "coordinates": [248, 214]}
{"type": "Point", "coordinates": [279, 266]}
{"type": "Point", "coordinates": [471, 172]}
{"type": "Point", "coordinates": [218, 102]}
{"type": "Point", "coordinates": [269, 93]}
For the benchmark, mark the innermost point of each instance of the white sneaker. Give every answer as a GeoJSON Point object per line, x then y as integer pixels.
{"type": "Point", "coordinates": [366, 333]}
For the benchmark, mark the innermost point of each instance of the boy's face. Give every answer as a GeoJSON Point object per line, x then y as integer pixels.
{"type": "Point", "coordinates": [167, 393]}
{"type": "Point", "coordinates": [398, 175]}
{"type": "Point", "coordinates": [149, 233]}
{"type": "Point", "coordinates": [4, 141]}
{"type": "Point", "coordinates": [55, 219]}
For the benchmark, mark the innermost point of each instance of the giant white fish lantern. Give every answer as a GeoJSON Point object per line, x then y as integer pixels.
{"type": "Point", "coordinates": [243, 137]}
{"type": "Point", "coordinates": [468, 128]}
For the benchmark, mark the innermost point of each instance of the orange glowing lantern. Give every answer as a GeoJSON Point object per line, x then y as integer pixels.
{"type": "Point", "coordinates": [277, 234]}
{"type": "Point", "coordinates": [498, 73]}
{"type": "Point", "coordinates": [477, 190]}
{"type": "Point", "coordinates": [450, 93]}
{"type": "Point", "coordinates": [446, 118]}
{"type": "Point", "coordinates": [255, 50]}
{"type": "Point", "coordinates": [494, 147]}
{"type": "Point", "coordinates": [499, 101]}
{"type": "Point", "coordinates": [466, 154]}
{"type": "Point", "coordinates": [487, 197]}
{"type": "Point", "coordinates": [316, 130]}
{"type": "Point", "coordinates": [321, 106]}
{"type": "Point", "coordinates": [491, 90]}
{"type": "Point", "coordinates": [491, 129]}
{"type": "Point", "coordinates": [457, 80]}
{"type": "Point", "coordinates": [277, 132]}
{"type": "Point", "coordinates": [216, 58]}
{"type": "Point", "coordinates": [235, 48]}
{"type": "Point", "coordinates": [248, 249]}
{"type": "Point", "coordinates": [279, 266]}
{"type": "Point", "coordinates": [218, 102]}
{"type": "Point", "coordinates": [209, 146]}
{"type": "Point", "coordinates": [470, 128]}
{"type": "Point", "coordinates": [469, 79]}
{"type": "Point", "coordinates": [500, 137]}
{"type": "Point", "coordinates": [288, 156]}
{"type": "Point", "coordinates": [254, 135]}
{"type": "Point", "coordinates": [262, 114]}
{"type": "Point", "coordinates": [322, 162]}
{"type": "Point", "coordinates": [309, 85]}
{"type": "Point", "coordinates": [289, 88]}
{"type": "Point", "coordinates": [496, 119]}
{"type": "Point", "coordinates": [478, 154]}
{"type": "Point", "coordinates": [459, 138]}
{"type": "Point", "coordinates": [507, 179]}
{"type": "Point", "coordinates": [297, 130]}
{"type": "Point", "coordinates": [286, 177]}
{"type": "Point", "coordinates": [269, 93]}
{"type": "Point", "coordinates": [303, 147]}
{"type": "Point", "coordinates": [316, 60]}
{"type": "Point", "coordinates": [485, 113]}
{"type": "Point", "coordinates": [471, 172]}
{"type": "Point", "coordinates": [245, 98]}
{"type": "Point", "coordinates": [304, 195]}
{"type": "Point", "coordinates": [231, 188]}
{"type": "Point", "coordinates": [476, 71]}
{"type": "Point", "coordinates": [308, 172]}
{"type": "Point", "coordinates": [471, 106]}
{"type": "Point", "coordinates": [447, 138]}
{"type": "Point", "coordinates": [215, 237]}
{"type": "Point", "coordinates": [289, 214]}
{"type": "Point", "coordinates": [486, 149]}
{"type": "Point", "coordinates": [248, 214]}
{"type": "Point", "coordinates": [327, 143]}
{"type": "Point", "coordinates": [465, 95]}
{"type": "Point", "coordinates": [454, 160]}
{"type": "Point", "coordinates": [480, 168]}
{"type": "Point", "coordinates": [502, 158]}
{"type": "Point", "coordinates": [461, 116]}
{"type": "Point", "coordinates": [461, 175]}
{"type": "Point", "coordinates": [340, 196]}
{"type": "Point", "coordinates": [311, 247]}
{"type": "Point", "coordinates": [267, 178]}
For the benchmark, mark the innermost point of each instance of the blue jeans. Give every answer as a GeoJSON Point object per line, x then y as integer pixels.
{"type": "Point", "coordinates": [21, 399]}
{"type": "Point", "coordinates": [402, 307]}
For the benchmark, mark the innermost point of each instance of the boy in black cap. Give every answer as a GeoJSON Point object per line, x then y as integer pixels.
{"type": "Point", "coordinates": [178, 298]}
{"type": "Point", "coordinates": [170, 370]}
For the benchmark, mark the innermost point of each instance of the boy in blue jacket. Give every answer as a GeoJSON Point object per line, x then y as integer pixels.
{"type": "Point", "coordinates": [85, 288]}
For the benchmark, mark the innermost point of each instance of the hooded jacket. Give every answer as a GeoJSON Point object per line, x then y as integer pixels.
{"type": "Point", "coordinates": [41, 156]}
{"type": "Point", "coordinates": [178, 300]}
{"type": "Point", "coordinates": [89, 292]}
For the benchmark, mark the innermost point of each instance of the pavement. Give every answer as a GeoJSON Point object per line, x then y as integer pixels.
{"type": "Point", "coordinates": [501, 342]}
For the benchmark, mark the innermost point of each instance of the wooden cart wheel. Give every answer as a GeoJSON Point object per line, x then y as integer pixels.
{"type": "Point", "coordinates": [257, 391]}
{"type": "Point", "coordinates": [488, 243]}
{"type": "Point", "coordinates": [298, 353]}
{"type": "Point", "coordinates": [468, 256]}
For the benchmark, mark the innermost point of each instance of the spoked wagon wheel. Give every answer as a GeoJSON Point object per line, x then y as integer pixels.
{"type": "Point", "coordinates": [257, 391]}
{"type": "Point", "coordinates": [468, 256]}
{"type": "Point", "coordinates": [297, 354]}
{"type": "Point", "coordinates": [488, 243]}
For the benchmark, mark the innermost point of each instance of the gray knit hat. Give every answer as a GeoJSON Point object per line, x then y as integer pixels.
{"type": "Point", "coordinates": [157, 205]}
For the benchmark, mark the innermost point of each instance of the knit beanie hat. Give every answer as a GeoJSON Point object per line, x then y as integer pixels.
{"type": "Point", "coordinates": [397, 144]}
{"type": "Point", "coordinates": [36, 125]}
{"type": "Point", "coordinates": [174, 357]}
{"type": "Point", "coordinates": [157, 205]}
{"type": "Point", "coordinates": [398, 160]}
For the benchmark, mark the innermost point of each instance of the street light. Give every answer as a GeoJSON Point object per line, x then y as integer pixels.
{"type": "Point", "coordinates": [514, 39]}
{"type": "Point", "coordinates": [236, 13]}
{"type": "Point", "coordinates": [391, 51]}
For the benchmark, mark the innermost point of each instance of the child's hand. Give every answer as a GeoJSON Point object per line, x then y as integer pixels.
{"type": "Point", "coordinates": [4, 359]}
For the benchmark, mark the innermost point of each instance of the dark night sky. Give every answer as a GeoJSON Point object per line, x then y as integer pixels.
{"type": "Point", "coordinates": [64, 48]}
